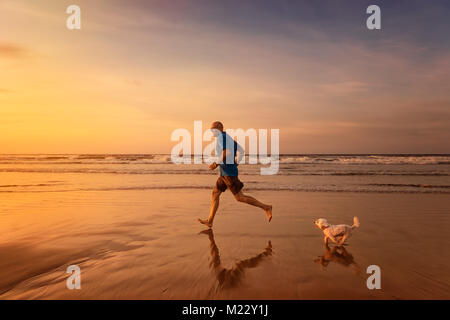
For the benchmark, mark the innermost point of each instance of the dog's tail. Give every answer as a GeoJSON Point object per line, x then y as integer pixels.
{"type": "Point", "coordinates": [355, 222]}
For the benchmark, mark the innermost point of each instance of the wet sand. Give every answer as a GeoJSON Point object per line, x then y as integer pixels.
{"type": "Point", "coordinates": [148, 245]}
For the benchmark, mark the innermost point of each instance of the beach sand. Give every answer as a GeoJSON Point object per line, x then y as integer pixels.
{"type": "Point", "coordinates": [148, 244]}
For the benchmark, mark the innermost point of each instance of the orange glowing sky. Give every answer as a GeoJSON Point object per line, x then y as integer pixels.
{"type": "Point", "coordinates": [140, 69]}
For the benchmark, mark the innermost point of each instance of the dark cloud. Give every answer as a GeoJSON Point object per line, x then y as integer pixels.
{"type": "Point", "coordinates": [416, 21]}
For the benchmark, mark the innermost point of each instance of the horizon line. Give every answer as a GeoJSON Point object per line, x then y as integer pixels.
{"type": "Point", "coordinates": [247, 154]}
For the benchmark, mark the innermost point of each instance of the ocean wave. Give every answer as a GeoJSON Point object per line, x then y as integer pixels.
{"type": "Point", "coordinates": [28, 185]}
{"type": "Point", "coordinates": [284, 159]}
{"type": "Point", "coordinates": [408, 185]}
{"type": "Point", "coordinates": [369, 160]}
{"type": "Point", "coordinates": [204, 171]}
{"type": "Point", "coordinates": [247, 188]}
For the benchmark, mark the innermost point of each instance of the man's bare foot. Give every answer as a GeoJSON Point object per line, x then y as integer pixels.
{"type": "Point", "coordinates": [205, 222]}
{"type": "Point", "coordinates": [269, 212]}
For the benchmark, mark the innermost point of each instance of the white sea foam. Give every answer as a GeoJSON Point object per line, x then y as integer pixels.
{"type": "Point", "coordinates": [340, 173]}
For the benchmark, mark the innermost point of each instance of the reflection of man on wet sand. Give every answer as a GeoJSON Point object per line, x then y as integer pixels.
{"type": "Point", "coordinates": [339, 255]}
{"type": "Point", "coordinates": [229, 278]}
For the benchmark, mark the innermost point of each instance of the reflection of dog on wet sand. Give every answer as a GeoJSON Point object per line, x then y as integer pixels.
{"type": "Point", "coordinates": [229, 278]}
{"type": "Point", "coordinates": [338, 255]}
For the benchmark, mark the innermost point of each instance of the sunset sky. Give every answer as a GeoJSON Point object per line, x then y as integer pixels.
{"type": "Point", "coordinates": [137, 70]}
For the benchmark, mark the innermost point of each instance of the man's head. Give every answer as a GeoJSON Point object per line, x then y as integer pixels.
{"type": "Point", "coordinates": [217, 127]}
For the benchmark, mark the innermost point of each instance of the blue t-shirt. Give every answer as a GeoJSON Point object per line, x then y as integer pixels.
{"type": "Point", "coordinates": [229, 167]}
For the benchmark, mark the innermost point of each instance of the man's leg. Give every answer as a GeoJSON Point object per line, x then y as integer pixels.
{"type": "Point", "coordinates": [241, 197]}
{"type": "Point", "coordinates": [214, 205]}
{"type": "Point", "coordinates": [215, 256]}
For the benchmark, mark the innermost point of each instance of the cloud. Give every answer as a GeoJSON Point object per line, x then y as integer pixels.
{"type": "Point", "coordinates": [8, 50]}
{"type": "Point", "coordinates": [344, 88]}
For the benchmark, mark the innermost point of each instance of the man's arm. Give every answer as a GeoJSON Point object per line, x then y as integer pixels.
{"type": "Point", "coordinates": [237, 157]}
{"type": "Point", "coordinates": [239, 154]}
{"type": "Point", "coordinates": [222, 159]}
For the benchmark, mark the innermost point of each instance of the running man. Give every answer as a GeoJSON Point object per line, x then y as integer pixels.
{"type": "Point", "coordinates": [228, 150]}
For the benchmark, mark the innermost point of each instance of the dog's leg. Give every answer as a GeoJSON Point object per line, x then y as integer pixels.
{"type": "Point", "coordinates": [328, 235]}
{"type": "Point", "coordinates": [333, 238]}
{"type": "Point", "coordinates": [343, 239]}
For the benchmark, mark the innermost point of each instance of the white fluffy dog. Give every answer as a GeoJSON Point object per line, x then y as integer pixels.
{"type": "Point", "coordinates": [337, 233]}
